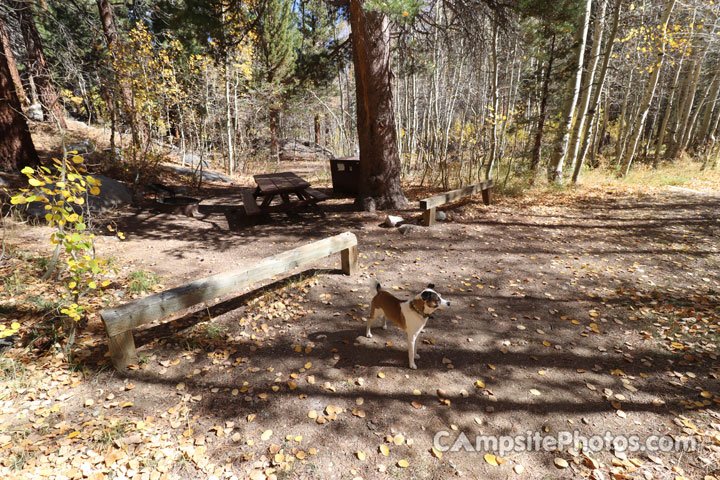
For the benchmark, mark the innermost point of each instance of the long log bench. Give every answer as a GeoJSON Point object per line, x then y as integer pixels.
{"type": "Point", "coordinates": [120, 321]}
{"type": "Point", "coordinates": [428, 205]}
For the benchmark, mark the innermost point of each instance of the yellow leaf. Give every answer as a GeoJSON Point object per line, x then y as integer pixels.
{"type": "Point", "coordinates": [361, 455]}
{"type": "Point", "coordinates": [705, 394]}
{"type": "Point", "coordinates": [35, 182]}
{"type": "Point", "coordinates": [436, 453]}
{"type": "Point", "coordinates": [403, 464]}
{"type": "Point", "coordinates": [534, 391]}
{"type": "Point", "coordinates": [491, 459]}
{"type": "Point", "coordinates": [384, 450]}
{"type": "Point", "coordinates": [480, 384]}
{"type": "Point", "coordinates": [266, 434]}
{"type": "Point", "coordinates": [94, 191]}
{"type": "Point", "coordinates": [72, 284]}
{"type": "Point", "coordinates": [77, 159]}
{"type": "Point", "coordinates": [27, 171]}
{"type": "Point", "coordinates": [73, 434]}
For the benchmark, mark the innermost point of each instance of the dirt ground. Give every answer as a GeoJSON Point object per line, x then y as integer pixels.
{"type": "Point", "coordinates": [587, 311]}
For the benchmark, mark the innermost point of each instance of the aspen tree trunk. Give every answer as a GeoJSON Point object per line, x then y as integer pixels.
{"type": "Point", "coordinates": [537, 147]}
{"type": "Point", "coordinates": [561, 143]}
{"type": "Point", "coordinates": [648, 95]}
{"type": "Point", "coordinates": [137, 126]}
{"type": "Point", "coordinates": [668, 112]}
{"type": "Point", "coordinates": [38, 65]}
{"type": "Point", "coordinates": [12, 66]}
{"type": "Point", "coordinates": [679, 145]}
{"type": "Point", "coordinates": [704, 129]}
{"type": "Point", "coordinates": [495, 113]}
{"type": "Point", "coordinates": [228, 119]}
{"type": "Point", "coordinates": [622, 122]}
{"type": "Point", "coordinates": [597, 92]}
{"type": "Point", "coordinates": [579, 129]}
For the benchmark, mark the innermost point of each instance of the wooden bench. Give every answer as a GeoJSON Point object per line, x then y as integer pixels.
{"type": "Point", "coordinates": [317, 195]}
{"type": "Point", "coordinates": [251, 206]}
{"type": "Point", "coordinates": [120, 321]}
{"type": "Point", "coordinates": [428, 205]}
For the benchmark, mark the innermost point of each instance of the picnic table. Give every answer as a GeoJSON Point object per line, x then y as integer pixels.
{"type": "Point", "coordinates": [284, 184]}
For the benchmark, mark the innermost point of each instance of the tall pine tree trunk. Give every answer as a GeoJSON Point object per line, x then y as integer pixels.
{"type": "Point", "coordinates": [12, 66]}
{"type": "Point", "coordinates": [561, 143]}
{"type": "Point", "coordinates": [16, 146]}
{"type": "Point", "coordinates": [38, 66]}
{"type": "Point", "coordinates": [379, 159]}
{"type": "Point", "coordinates": [639, 123]}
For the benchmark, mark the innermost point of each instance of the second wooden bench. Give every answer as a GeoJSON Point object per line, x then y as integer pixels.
{"type": "Point", "coordinates": [428, 205]}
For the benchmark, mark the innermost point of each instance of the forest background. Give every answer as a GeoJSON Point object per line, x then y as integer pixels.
{"type": "Point", "coordinates": [450, 91]}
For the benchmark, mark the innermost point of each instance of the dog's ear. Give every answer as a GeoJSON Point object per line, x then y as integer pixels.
{"type": "Point", "coordinates": [431, 285]}
{"type": "Point", "coordinates": [426, 296]}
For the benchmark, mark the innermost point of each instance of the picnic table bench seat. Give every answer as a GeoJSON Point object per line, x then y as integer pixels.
{"type": "Point", "coordinates": [251, 206]}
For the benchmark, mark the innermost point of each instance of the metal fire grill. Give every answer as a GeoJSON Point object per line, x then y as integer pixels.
{"type": "Point", "coordinates": [345, 175]}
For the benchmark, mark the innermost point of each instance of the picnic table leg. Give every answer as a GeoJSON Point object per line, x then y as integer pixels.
{"type": "Point", "coordinates": [429, 217]}
{"type": "Point", "coordinates": [266, 201]}
{"type": "Point", "coordinates": [349, 260]}
{"type": "Point", "coordinates": [486, 196]}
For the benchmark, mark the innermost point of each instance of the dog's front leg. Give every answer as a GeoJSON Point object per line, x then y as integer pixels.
{"type": "Point", "coordinates": [412, 338]}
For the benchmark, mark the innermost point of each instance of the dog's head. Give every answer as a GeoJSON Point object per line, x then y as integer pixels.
{"type": "Point", "coordinates": [431, 300]}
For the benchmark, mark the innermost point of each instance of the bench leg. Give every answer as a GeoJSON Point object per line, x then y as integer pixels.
{"type": "Point", "coordinates": [486, 196]}
{"type": "Point", "coordinates": [122, 350]}
{"type": "Point", "coordinates": [429, 217]}
{"type": "Point", "coordinates": [349, 260]}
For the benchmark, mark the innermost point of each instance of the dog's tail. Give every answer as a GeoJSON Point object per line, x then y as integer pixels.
{"type": "Point", "coordinates": [374, 286]}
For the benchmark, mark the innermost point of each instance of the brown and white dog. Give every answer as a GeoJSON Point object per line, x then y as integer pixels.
{"type": "Point", "coordinates": [409, 315]}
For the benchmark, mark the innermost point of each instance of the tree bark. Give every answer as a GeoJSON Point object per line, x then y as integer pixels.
{"type": "Point", "coordinates": [648, 95]}
{"type": "Point", "coordinates": [579, 128]}
{"type": "Point", "coordinates": [537, 147]}
{"type": "Point", "coordinates": [495, 113]}
{"type": "Point", "coordinates": [16, 146]}
{"type": "Point", "coordinates": [668, 111]}
{"type": "Point", "coordinates": [137, 126]}
{"type": "Point", "coordinates": [561, 143]}
{"type": "Point", "coordinates": [683, 127]}
{"type": "Point", "coordinates": [274, 147]}
{"type": "Point", "coordinates": [379, 159]}
{"type": "Point", "coordinates": [704, 129]}
{"type": "Point", "coordinates": [595, 102]}
{"type": "Point", "coordinates": [10, 58]}
{"type": "Point", "coordinates": [38, 66]}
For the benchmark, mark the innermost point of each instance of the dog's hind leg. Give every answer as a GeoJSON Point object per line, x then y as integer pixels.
{"type": "Point", "coordinates": [374, 314]}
